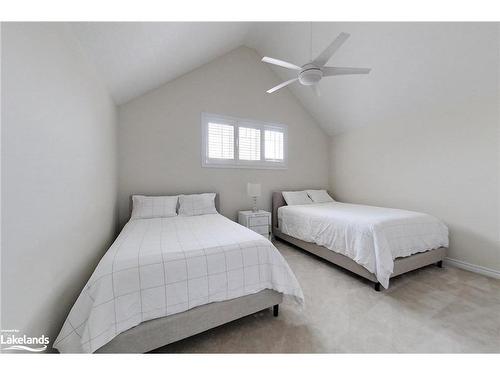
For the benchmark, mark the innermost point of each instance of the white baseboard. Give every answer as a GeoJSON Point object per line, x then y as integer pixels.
{"type": "Point", "coordinates": [472, 267]}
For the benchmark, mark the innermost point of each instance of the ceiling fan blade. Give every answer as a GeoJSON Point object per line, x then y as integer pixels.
{"type": "Point", "coordinates": [323, 58]}
{"type": "Point", "coordinates": [281, 63]}
{"type": "Point", "coordinates": [316, 89]}
{"type": "Point", "coordinates": [281, 85]}
{"type": "Point", "coordinates": [336, 71]}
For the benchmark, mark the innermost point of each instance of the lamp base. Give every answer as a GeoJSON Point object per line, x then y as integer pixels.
{"type": "Point", "coordinates": [254, 208]}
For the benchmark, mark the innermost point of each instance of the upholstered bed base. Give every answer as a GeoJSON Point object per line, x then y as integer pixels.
{"type": "Point", "coordinates": [156, 333]}
{"type": "Point", "coordinates": [401, 265]}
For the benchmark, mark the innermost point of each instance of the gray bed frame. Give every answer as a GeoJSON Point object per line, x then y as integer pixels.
{"type": "Point", "coordinates": [156, 333]}
{"type": "Point", "coordinates": [401, 265]}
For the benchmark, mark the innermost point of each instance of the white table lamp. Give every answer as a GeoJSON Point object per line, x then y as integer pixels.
{"type": "Point", "coordinates": [253, 190]}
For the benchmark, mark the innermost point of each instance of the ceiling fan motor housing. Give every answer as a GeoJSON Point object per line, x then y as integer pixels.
{"type": "Point", "coordinates": [310, 74]}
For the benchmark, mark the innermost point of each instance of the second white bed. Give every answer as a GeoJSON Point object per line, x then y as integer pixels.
{"type": "Point", "coordinates": [371, 236]}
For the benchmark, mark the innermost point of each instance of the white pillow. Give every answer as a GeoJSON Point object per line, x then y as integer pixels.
{"type": "Point", "coordinates": [197, 204]}
{"type": "Point", "coordinates": [144, 207]}
{"type": "Point", "coordinates": [296, 197]}
{"type": "Point", "coordinates": [319, 196]}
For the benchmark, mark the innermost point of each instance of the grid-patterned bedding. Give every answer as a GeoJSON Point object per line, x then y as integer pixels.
{"type": "Point", "coordinates": [371, 236]}
{"type": "Point", "coordinates": [163, 266]}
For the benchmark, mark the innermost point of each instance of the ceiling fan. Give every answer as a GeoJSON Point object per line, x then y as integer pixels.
{"type": "Point", "coordinates": [312, 72]}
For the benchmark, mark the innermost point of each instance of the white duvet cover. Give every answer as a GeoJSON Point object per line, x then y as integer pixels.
{"type": "Point", "coordinates": [372, 236]}
{"type": "Point", "coordinates": [163, 266]}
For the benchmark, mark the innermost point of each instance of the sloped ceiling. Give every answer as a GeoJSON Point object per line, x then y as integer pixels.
{"type": "Point", "coordinates": [136, 57]}
{"type": "Point", "coordinates": [414, 65]}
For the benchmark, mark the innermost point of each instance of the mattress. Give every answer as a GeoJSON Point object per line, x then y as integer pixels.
{"type": "Point", "coordinates": [371, 236]}
{"type": "Point", "coordinates": [163, 266]}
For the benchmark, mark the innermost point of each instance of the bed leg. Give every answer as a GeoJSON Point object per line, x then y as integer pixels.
{"type": "Point", "coordinates": [276, 309]}
{"type": "Point", "coordinates": [376, 286]}
{"type": "Point", "coordinates": [440, 264]}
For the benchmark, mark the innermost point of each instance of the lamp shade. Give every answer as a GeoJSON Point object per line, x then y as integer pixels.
{"type": "Point", "coordinates": [253, 190]}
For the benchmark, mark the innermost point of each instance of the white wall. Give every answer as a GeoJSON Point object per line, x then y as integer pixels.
{"type": "Point", "coordinates": [59, 175]}
{"type": "Point", "coordinates": [160, 135]}
{"type": "Point", "coordinates": [442, 157]}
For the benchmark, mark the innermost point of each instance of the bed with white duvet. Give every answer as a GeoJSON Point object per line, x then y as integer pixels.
{"type": "Point", "coordinates": [166, 265]}
{"type": "Point", "coordinates": [371, 236]}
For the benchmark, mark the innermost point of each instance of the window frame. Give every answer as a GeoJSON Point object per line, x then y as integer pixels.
{"type": "Point", "coordinates": [237, 122]}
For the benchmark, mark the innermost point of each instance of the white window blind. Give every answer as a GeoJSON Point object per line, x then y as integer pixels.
{"type": "Point", "coordinates": [230, 142]}
{"type": "Point", "coordinates": [220, 141]}
{"type": "Point", "coordinates": [273, 145]}
{"type": "Point", "coordinates": [248, 143]}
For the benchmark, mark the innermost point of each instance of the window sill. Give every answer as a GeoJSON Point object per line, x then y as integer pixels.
{"type": "Point", "coordinates": [244, 166]}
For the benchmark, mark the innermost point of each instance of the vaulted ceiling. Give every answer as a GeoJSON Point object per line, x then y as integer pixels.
{"type": "Point", "coordinates": [435, 66]}
{"type": "Point", "coordinates": [136, 57]}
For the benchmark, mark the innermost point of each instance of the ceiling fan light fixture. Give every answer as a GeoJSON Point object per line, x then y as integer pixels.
{"type": "Point", "coordinates": [310, 75]}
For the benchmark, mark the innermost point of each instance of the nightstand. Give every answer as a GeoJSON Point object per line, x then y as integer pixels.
{"type": "Point", "coordinates": [259, 221]}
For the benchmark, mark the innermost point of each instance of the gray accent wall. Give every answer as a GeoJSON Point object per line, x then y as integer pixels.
{"type": "Point", "coordinates": [59, 175]}
{"type": "Point", "coordinates": [160, 135]}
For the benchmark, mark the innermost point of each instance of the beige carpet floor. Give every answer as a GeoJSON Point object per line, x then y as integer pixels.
{"type": "Point", "coordinates": [430, 310]}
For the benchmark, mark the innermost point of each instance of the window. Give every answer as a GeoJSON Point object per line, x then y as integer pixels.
{"type": "Point", "coordinates": [220, 141]}
{"type": "Point", "coordinates": [248, 143]}
{"type": "Point", "coordinates": [230, 142]}
{"type": "Point", "coordinates": [274, 145]}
